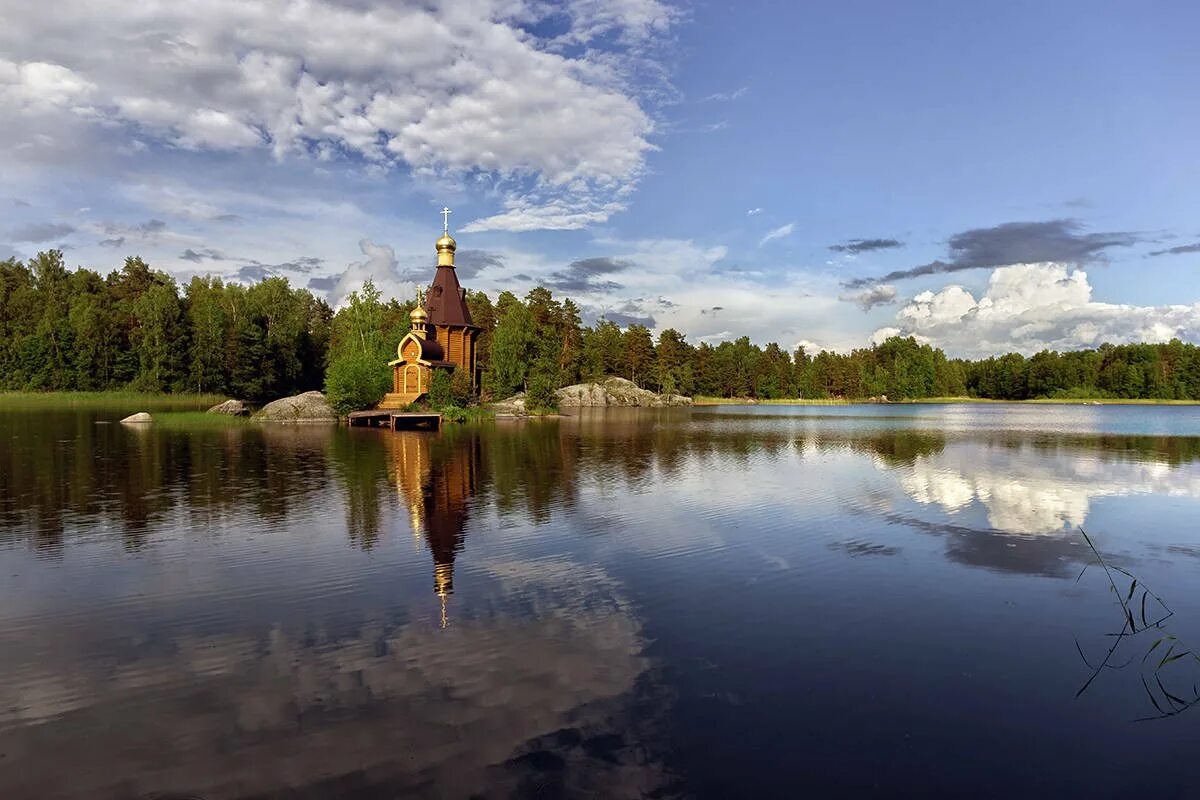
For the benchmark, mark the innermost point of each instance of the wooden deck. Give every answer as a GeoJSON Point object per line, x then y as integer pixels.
{"type": "Point", "coordinates": [396, 420]}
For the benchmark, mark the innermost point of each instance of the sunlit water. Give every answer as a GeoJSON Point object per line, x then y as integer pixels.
{"type": "Point", "coordinates": [722, 602]}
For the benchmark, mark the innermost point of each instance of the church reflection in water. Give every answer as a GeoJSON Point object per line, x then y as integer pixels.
{"type": "Point", "coordinates": [436, 477]}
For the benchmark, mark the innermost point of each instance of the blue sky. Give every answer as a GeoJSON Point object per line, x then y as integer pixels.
{"type": "Point", "coordinates": [992, 178]}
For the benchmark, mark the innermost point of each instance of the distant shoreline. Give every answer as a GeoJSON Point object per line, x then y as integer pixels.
{"type": "Point", "coordinates": [1096, 401]}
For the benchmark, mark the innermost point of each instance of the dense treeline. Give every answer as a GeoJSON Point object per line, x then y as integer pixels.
{"type": "Point", "coordinates": [77, 330]}
{"type": "Point", "coordinates": [64, 329]}
{"type": "Point", "coordinates": [539, 343]}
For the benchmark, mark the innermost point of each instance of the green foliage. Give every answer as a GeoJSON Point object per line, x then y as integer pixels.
{"type": "Point", "coordinates": [1081, 393]}
{"type": "Point", "coordinates": [453, 413]}
{"type": "Point", "coordinates": [512, 350]}
{"type": "Point", "coordinates": [461, 391]}
{"type": "Point", "coordinates": [358, 376]}
{"type": "Point", "coordinates": [483, 314]}
{"type": "Point", "coordinates": [541, 395]}
{"type": "Point", "coordinates": [637, 353]}
{"type": "Point", "coordinates": [354, 382]}
{"type": "Point", "coordinates": [440, 390]}
{"type": "Point", "coordinates": [80, 331]}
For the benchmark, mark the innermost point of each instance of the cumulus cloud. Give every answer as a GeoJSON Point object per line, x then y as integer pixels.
{"type": "Point", "coordinates": [871, 296]}
{"type": "Point", "coordinates": [1059, 240]}
{"type": "Point", "coordinates": [379, 266]}
{"type": "Point", "coordinates": [37, 232]}
{"type": "Point", "coordinates": [855, 246]}
{"type": "Point", "coordinates": [1030, 307]}
{"type": "Point", "coordinates": [547, 104]}
{"type": "Point", "coordinates": [754, 212]}
{"type": "Point", "coordinates": [778, 233]}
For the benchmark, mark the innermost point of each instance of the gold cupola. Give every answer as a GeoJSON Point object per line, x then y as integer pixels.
{"type": "Point", "coordinates": [418, 317]}
{"type": "Point", "coordinates": [446, 245]}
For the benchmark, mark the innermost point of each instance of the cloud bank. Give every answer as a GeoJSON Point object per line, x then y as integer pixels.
{"type": "Point", "coordinates": [478, 90]}
{"type": "Point", "coordinates": [1031, 307]}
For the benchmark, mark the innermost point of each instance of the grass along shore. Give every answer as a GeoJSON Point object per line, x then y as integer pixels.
{"type": "Point", "coordinates": [136, 401]}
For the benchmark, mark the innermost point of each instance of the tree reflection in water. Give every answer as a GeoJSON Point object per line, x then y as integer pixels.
{"type": "Point", "coordinates": [242, 612]}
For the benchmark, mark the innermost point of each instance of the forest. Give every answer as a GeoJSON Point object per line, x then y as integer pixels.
{"type": "Point", "coordinates": [137, 328]}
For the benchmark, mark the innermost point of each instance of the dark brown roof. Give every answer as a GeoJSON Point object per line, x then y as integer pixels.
{"type": "Point", "coordinates": [446, 302]}
{"type": "Point", "coordinates": [431, 350]}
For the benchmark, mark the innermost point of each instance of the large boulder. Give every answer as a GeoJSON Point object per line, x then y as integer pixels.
{"type": "Point", "coordinates": [616, 392]}
{"type": "Point", "coordinates": [234, 408]}
{"type": "Point", "coordinates": [307, 407]}
{"type": "Point", "coordinates": [141, 416]}
{"type": "Point", "coordinates": [512, 407]}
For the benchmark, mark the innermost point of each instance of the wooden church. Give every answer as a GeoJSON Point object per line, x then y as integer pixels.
{"type": "Point", "coordinates": [442, 335]}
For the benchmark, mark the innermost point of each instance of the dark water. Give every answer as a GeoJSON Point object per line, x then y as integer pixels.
{"type": "Point", "coordinates": [731, 602]}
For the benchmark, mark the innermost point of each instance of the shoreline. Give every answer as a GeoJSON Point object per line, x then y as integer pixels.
{"type": "Point", "coordinates": [200, 401]}
{"type": "Point", "coordinates": [1074, 401]}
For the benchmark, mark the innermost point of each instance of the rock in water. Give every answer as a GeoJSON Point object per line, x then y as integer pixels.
{"type": "Point", "coordinates": [234, 408]}
{"type": "Point", "coordinates": [141, 416]}
{"type": "Point", "coordinates": [307, 407]}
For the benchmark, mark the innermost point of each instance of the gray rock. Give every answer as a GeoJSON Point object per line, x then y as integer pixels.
{"type": "Point", "coordinates": [616, 392]}
{"type": "Point", "coordinates": [234, 408]}
{"type": "Point", "coordinates": [307, 407]}
{"type": "Point", "coordinates": [141, 416]}
{"type": "Point", "coordinates": [512, 407]}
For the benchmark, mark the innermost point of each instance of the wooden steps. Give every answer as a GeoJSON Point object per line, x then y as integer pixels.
{"type": "Point", "coordinates": [399, 399]}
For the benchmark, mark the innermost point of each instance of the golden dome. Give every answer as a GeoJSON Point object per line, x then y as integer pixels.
{"type": "Point", "coordinates": [446, 243]}
{"type": "Point", "coordinates": [418, 314]}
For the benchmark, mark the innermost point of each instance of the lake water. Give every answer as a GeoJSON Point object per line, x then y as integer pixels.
{"type": "Point", "coordinates": [717, 602]}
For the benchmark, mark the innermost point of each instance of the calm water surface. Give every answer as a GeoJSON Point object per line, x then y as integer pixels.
{"type": "Point", "coordinates": [719, 602]}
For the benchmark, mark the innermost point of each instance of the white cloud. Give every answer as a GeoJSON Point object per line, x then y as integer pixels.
{"type": "Point", "coordinates": [36, 86]}
{"type": "Point", "coordinates": [778, 233]}
{"type": "Point", "coordinates": [727, 96]}
{"type": "Point", "coordinates": [754, 212]}
{"type": "Point", "coordinates": [381, 267]}
{"type": "Point", "coordinates": [1030, 307]}
{"type": "Point", "coordinates": [1031, 491]}
{"type": "Point", "coordinates": [464, 90]}
{"type": "Point", "coordinates": [811, 348]}
{"type": "Point", "coordinates": [883, 334]}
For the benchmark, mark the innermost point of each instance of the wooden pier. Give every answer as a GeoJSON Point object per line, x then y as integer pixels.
{"type": "Point", "coordinates": [396, 420]}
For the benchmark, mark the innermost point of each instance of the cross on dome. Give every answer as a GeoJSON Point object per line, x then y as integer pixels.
{"type": "Point", "coordinates": [446, 219]}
